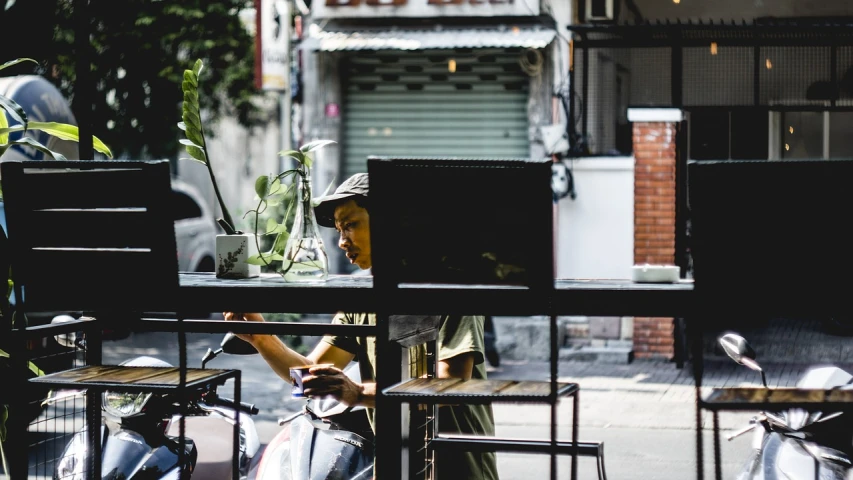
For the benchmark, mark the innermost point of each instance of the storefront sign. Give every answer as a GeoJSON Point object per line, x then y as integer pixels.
{"type": "Point", "coordinates": [274, 44]}
{"type": "Point", "coordinates": [424, 8]}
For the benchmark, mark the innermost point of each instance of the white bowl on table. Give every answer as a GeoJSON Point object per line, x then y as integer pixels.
{"type": "Point", "coordinates": [648, 273]}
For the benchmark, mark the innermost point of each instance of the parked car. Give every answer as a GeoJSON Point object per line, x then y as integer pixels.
{"type": "Point", "coordinates": [195, 229]}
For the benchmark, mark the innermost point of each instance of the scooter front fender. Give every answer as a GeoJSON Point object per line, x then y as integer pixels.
{"type": "Point", "coordinates": [781, 458]}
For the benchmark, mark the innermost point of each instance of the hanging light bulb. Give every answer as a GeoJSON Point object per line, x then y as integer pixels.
{"type": "Point", "coordinates": [451, 66]}
{"type": "Point", "coordinates": [676, 1]}
{"type": "Point", "coordinates": [713, 48]}
{"type": "Point", "coordinates": [768, 64]}
{"type": "Point", "coordinates": [790, 129]}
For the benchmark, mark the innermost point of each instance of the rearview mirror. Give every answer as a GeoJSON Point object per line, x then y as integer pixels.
{"type": "Point", "coordinates": [233, 345]}
{"type": "Point", "coordinates": [737, 348]}
{"type": "Point", "coordinates": [740, 351]}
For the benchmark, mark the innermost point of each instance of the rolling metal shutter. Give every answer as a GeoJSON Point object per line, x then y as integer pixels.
{"type": "Point", "coordinates": [409, 104]}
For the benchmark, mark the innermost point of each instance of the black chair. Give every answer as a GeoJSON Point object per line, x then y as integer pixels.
{"type": "Point", "coordinates": [87, 234]}
{"type": "Point", "coordinates": [773, 233]}
{"type": "Point", "coordinates": [484, 223]}
{"type": "Point", "coordinates": [96, 237]}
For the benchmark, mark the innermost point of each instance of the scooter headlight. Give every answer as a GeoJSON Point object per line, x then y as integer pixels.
{"type": "Point", "coordinates": [120, 404]}
{"type": "Point", "coordinates": [70, 466]}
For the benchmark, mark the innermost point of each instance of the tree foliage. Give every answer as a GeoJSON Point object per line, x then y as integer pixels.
{"type": "Point", "coordinates": [140, 49]}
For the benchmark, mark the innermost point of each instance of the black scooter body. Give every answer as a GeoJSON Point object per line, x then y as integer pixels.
{"type": "Point", "coordinates": [129, 455]}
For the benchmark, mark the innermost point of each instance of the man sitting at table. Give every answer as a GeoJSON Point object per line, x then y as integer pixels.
{"type": "Point", "coordinates": [461, 345]}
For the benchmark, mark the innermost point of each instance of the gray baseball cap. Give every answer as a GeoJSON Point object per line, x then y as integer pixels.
{"type": "Point", "coordinates": [324, 207]}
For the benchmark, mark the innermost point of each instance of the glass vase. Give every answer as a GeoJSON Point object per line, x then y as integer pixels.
{"type": "Point", "coordinates": [305, 258]}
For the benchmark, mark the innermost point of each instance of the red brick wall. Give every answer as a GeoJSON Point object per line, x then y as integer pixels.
{"type": "Point", "coordinates": [654, 223]}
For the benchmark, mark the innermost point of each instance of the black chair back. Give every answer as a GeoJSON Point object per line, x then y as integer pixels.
{"type": "Point", "coordinates": [91, 235]}
{"type": "Point", "coordinates": [461, 221]}
{"type": "Point", "coordinates": [772, 227]}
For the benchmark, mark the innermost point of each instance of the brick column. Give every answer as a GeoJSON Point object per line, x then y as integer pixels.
{"type": "Point", "coordinates": [654, 139]}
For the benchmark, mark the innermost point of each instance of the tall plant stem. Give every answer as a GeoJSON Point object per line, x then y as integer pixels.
{"type": "Point", "coordinates": [231, 228]}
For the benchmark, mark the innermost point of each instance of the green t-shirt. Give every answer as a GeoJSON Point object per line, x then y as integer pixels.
{"type": "Point", "coordinates": [457, 335]}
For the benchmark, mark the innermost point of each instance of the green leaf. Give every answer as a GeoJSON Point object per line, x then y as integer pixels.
{"type": "Point", "coordinates": [262, 186]}
{"type": "Point", "coordinates": [188, 142]}
{"type": "Point", "coordinates": [281, 228]}
{"type": "Point", "coordinates": [187, 87]}
{"type": "Point", "coordinates": [198, 154]}
{"type": "Point", "coordinates": [34, 144]}
{"type": "Point", "coordinates": [192, 120]}
{"type": "Point", "coordinates": [191, 78]}
{"type": "Point", "coordinates": [315, 145]}
{"type": "Point", "coordinates": [276, 187]}
{"type": "Point", "coordinates": [280, 242]}
{"type": "Point", "coordinates": [271, 225]}
{"type": "Point", "coordinates": [15, 111]}
{"type": "Point", "coordinates": [195, 136]}
{"type": "Point", "coordinates": [17, 61]}
{"type": "Point", "coordinates": [191, 97]}
{"type": "Point", "coordinates": [199, 65]}
{"type": "Point", "coordinates": [294, 154]}
{"type": "Point", "coordinates": [274, 200]}
{"type": "Point", "coordinates": [259, 259]}
{"type": "Point", "coordinates": [64, 131]}
{"type": "Point", "coordinates": [4, 137]}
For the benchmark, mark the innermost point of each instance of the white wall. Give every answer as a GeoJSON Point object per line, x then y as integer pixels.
{"type": "Point", "coordinates": [595, 232]}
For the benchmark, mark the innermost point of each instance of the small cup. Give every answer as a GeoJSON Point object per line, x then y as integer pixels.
{"type": "Point", "coordinates": [297, 373]}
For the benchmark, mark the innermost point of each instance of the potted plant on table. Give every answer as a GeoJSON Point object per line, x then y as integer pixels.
{"type": "Point", "coordinates": [237, 253]}
{"type": "Point", "coordinates": [301, 249]}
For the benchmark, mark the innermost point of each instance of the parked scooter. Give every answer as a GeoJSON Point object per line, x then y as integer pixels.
{"type": "Point", "coordinates": [326, 440]}
{"type": "Point", "coordinates": [796, 443]}
{"type": "Point", "coordinates": [140, 432]}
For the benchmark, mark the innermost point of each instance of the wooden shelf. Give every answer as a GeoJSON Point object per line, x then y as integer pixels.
{"type": "Point", "coordinates": [127, 378]}
{"type": "Point", "coordinates": [434, 390]}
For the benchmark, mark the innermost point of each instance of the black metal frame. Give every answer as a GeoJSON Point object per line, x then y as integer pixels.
{"type": "Point", "coordinates": [762, 32]}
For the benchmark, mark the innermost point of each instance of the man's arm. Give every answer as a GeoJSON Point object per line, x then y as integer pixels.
{"type": "Point", "coordinates": [460, 366]}
{"type": "Point", "coordinates": [281, 358]}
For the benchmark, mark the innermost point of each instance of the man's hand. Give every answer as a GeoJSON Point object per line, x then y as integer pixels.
{"type": "Point", "coordinates": [330, 381]}
{"type": "Point", "coordinates": [244, 317]}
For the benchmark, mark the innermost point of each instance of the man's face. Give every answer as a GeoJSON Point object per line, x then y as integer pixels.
{"type": "Point", "coordinates": [353, 224]}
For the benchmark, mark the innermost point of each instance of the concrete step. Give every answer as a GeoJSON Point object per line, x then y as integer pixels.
{"type": "Point", "coordinates": [616, 355]}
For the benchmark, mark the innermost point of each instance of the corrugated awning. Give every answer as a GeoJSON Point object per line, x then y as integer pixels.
{"type": "Point", "coordinates": [411, 39]}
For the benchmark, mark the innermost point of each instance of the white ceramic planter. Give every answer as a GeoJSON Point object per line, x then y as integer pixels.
{"type": "Point", "coordinates": [232, 251]}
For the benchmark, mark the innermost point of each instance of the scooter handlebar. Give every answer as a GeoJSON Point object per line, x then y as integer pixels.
{"type": "Point", "coordinates": [249, 408]}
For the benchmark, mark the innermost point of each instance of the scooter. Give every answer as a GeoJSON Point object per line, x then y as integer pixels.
{"type": "Point", "coordinates": [796, 443]}
{"type": "Point", "coordinates": [326, 440]}
{"type": "Point", "coordinates": [140, 432]}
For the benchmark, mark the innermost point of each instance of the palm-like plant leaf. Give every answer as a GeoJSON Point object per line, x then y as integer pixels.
{"type": "Point", "coordinates": [15, 111]}
{"type": "Point", "coordinates": [69, 132]}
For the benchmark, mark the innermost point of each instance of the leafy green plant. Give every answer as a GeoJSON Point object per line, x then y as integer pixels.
{"type": "Point", "coordinates": [271, 192]}
{"type": "Point", "coordinates": [194, 142]}
{"type": "Point", "coordinates": [62, 131]}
